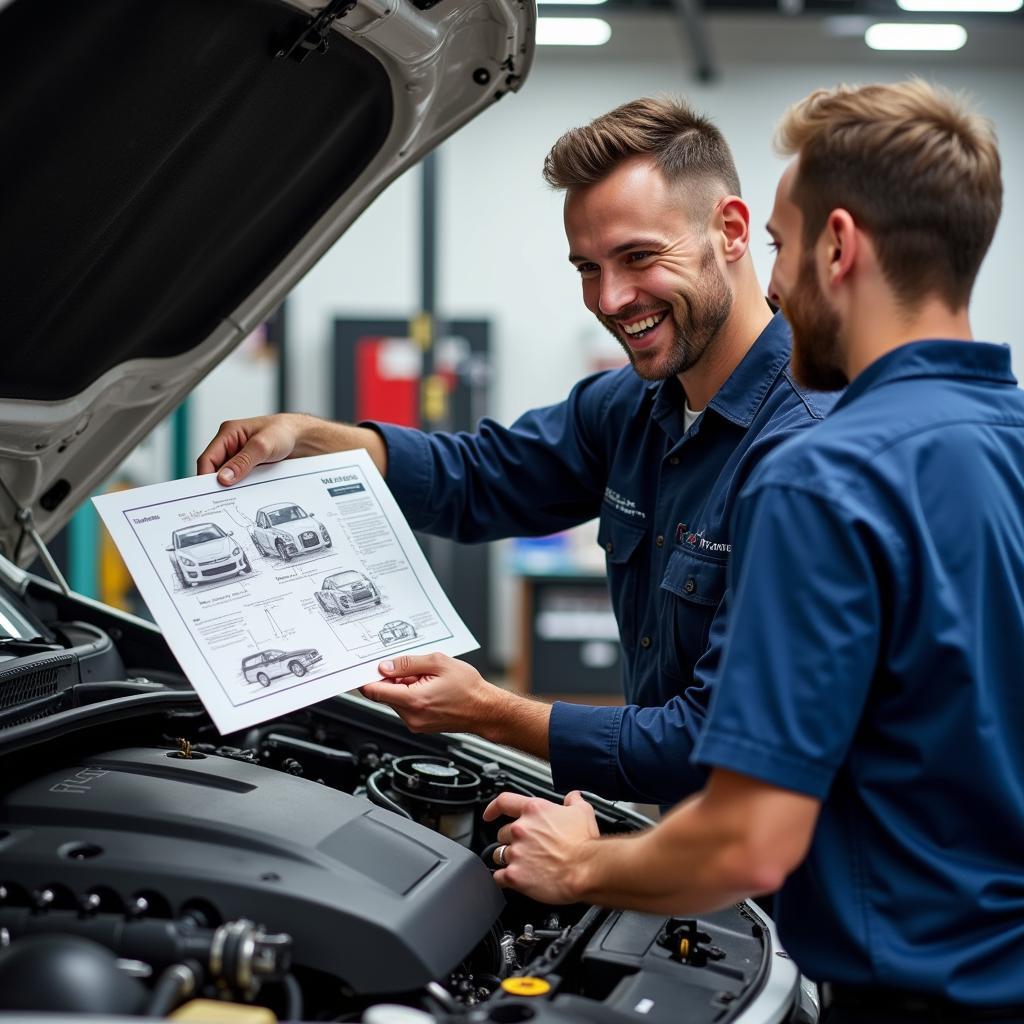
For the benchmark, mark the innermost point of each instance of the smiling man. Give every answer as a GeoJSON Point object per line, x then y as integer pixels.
{"type": "Point", "coordinates": [866, 739]}
{"type": "Point", "coordinates": [660, 237]}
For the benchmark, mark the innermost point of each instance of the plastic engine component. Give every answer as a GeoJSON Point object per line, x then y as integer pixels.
{"type": "Point", "coordinates": [360, 890]}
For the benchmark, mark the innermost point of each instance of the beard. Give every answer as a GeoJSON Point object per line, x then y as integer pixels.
{"type": "Point", "coordinates": [695, 326]}
{"type": "Point", "coordinates": [817, 360]}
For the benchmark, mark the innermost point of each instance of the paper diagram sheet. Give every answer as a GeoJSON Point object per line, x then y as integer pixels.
{"type": "Point", "coordinates": [285, 589]}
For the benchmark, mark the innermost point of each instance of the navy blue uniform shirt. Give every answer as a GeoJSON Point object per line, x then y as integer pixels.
{"type": "Point", "coordinates": [875, 660]}
{"type": "Point", "coordinates": [617, 448]}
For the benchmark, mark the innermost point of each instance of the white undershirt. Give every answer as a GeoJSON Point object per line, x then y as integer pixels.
{"type": "Point", "coordinates": [689, 416]}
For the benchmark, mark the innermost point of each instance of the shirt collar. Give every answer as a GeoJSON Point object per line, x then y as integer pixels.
{"type": "Point", "coordinates": [739, 398]}
{"type": "Point", "coordinates": [975, 360]}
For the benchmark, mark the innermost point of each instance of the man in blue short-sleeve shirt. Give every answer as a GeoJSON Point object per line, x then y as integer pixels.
{"type": "Point", "coordinates": [657, 450]}
{"type": "Point", "coordinates": [866, 736]}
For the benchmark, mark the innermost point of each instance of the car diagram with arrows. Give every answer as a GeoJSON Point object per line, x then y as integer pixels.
{"type": "Point", "coordinates": [286, 588]}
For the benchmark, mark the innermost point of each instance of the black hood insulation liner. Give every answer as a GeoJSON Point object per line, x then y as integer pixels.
{"type": "Point", "coordinates": [164, 160]}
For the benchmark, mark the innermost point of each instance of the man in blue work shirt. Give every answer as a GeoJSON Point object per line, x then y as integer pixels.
{"type": "Point", "coordinates": [660, 239]}
{"type": "Point", "coordinates": [866, 737]}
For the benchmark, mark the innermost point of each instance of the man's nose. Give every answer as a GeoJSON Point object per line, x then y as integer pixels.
{"type": "Point", "coordinates": [616, 293]}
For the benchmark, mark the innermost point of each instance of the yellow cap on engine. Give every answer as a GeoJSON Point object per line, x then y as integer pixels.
{"type": "Point", "coordinates": [526, 986]}
{"type": "Point", "coordinates": [212, 1011]}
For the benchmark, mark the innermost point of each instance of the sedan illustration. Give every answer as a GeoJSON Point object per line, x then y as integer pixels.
{"type": "Point", "coordinates": [287, 530]}
{"type": "Point", "coordinates": [347, 591]}
{"type": "Point", "coordinates": [264, 666]}
{"type": "Point", "coordinates": [396, 631]}
{"type": "Point", "coordinates": [204, 552]}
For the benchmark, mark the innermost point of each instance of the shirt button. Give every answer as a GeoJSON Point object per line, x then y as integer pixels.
{"type": "Point", "coordinates": [608, 547]}
{"type": "Point", "coordinates": [690, 585]}
{"type": "Point", "coordinates": [660, 540]}
{"type": "Point", "coordinates": [645, 641]}
{"type": "Point", "coordinates": [674, 461]}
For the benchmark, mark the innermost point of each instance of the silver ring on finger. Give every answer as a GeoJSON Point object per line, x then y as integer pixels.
{"type": "Point", "coordinates": [499, 855]}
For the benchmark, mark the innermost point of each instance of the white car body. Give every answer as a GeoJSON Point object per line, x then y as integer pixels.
{"type": "Point", "coordinates": [265, 666]}
{"type": "Point", "coordinates": [285, 530]}
{"type": "Point", "coordinates": [204, 553]}
{"type": "Point", "coordinates": [395, 632]}
{"type": "Point", "coordinates": [347, 591]}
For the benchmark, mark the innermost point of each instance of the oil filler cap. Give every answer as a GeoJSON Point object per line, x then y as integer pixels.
{"type": "Point", "coordinates": [526, 986]}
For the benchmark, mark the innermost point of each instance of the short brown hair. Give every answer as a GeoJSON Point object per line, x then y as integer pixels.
{"type": "Point", "coordinates": [915, 168]}
{"type": "Point", "coordinates": [685, 147]}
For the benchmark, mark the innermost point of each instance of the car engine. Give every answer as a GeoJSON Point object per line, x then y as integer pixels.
{"type": "Point", "coordinates": [320, 866]}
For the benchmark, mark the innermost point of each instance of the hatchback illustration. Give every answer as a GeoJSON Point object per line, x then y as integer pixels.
{"type": "Point", "coordinates": [395, 632]}
{"type": "Point", "coordinates": [264, 666]}
{"type": "Point", "coordinates": [287, 530]}
{"type": "Point", "coordinates": [204, 552]}
{"type": "Point", "coordinates": [347, 591]}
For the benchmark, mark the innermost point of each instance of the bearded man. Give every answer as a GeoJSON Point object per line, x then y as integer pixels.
{"type": "Point", "coordinates": [660, 237]}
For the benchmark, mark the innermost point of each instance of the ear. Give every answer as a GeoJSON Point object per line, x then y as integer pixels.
{"type": "Point", "coordinates": [841, 246]}
{"type": "Point", "coordinates": [732, 219]}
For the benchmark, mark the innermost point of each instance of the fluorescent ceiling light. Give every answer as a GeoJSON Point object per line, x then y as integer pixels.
{"type": "Point", "coordinates": [963, 6]}
{"type": "Point", "coordinates": [909, 36]}
{"type": "Point", "coordinates": [572, 32]}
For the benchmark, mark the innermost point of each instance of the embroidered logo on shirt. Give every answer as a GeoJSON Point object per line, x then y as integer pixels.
{"type": "Point", "coordinates": [699, 541]}
{"type": "Point", "coordinates": [624, 505]}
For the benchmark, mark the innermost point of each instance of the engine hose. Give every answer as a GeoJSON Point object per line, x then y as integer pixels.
{"type": "Point", "coordinates": [379, 797]}
{"type": "Point", "coordinates": [442, 996]}
{"type": "Point", "coordinates": [173, 987]}
{"type": "Point", "coordinates": [293, 991]}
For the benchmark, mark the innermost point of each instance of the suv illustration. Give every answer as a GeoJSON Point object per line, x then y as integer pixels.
{"type": "Point", "coordinates": [286, 530]}
{"type": "Point", "coordinates": [346, 591]}
{"type": "Point", "coordinates": [204, 552]}
{"type": "Point", "coordinates": [266, 665]}
{"type": "Point", "coordinates": [396, 631]}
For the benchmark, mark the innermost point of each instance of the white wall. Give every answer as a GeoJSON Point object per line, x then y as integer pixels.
{"type": "Point", "coordinates": [503, 252]}
{"type": "Point", "coordinates": [502, 249]}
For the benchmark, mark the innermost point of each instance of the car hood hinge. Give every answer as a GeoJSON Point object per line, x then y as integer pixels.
{"type": "Point", "coordinates": [314, 35]}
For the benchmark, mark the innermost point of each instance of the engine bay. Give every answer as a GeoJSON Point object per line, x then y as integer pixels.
{"type": "Point", "coordinates": [320, 865]}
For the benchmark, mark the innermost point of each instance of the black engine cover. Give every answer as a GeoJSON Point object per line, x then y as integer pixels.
{"type": "Point", "coordinates": [368, 896]}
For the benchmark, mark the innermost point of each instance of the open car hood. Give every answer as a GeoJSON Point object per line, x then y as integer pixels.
{"type": "Point", "coordinates": [171, 169]}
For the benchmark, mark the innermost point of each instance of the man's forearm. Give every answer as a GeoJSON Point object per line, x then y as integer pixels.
{"type": "Point", "coordinates": [321, 437]}
{"type": "Point", "coordinates": [519, 722]}
{"type": "Point", "coordinates": [735, 839]}
{"type": "Point", "coordinates": [680, 870]}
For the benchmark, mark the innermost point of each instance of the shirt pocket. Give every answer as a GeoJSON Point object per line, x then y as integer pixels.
{"type": "Point", "coordinates": [620, 541]}
{"type": "Point", "coordinates": [692, 590]}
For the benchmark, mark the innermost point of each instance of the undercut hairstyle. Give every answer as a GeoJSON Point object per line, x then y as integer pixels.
{"type": "Point", "coordinates": [914, 167]}
{"type": "Point", "coordinates": [686, 147]}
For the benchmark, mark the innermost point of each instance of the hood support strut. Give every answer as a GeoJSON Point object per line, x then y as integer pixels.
{"type": "Point", "coordinates": [28, 529]}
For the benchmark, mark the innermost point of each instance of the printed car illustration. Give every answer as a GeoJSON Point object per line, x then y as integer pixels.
{"type": "Point", "coordinates": [347, 591]}
{"type": "Point", "coordinates": [396, 631]}
{"type": "Point", "coordinates": [286, 530]}
{"type": "Point", "coordinates": [264, 666]}
{"type": "Point", "coordinates": [204, 552]}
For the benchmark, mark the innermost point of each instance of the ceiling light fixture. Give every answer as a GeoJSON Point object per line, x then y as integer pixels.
{"type": "Point", "coordinates": [572, 32]}
{"type": "Point", "coordinates": [910, 36]}
{"type": "Point", "coordinates": [962, 6]}
{"type": "Point", "coordinates": [582, 3]}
